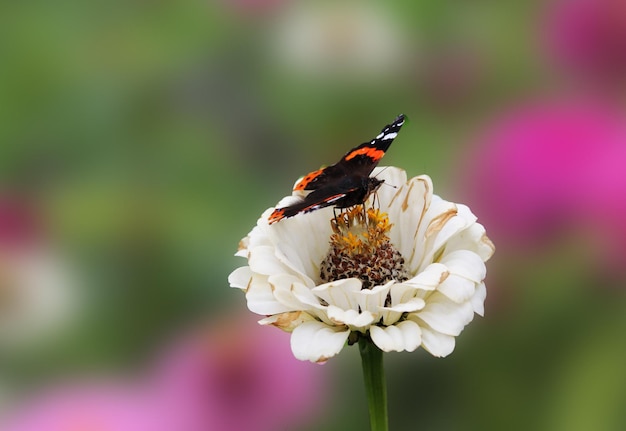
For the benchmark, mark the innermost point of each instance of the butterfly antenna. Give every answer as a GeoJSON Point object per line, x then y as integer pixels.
{"type": "Point", "coordinates": [381, 171]}
{"type": "Point", "coordinates": [390, 185]}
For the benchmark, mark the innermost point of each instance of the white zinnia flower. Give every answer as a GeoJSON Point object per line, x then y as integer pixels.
{"type": "Point", "coordinates": [416, 276]}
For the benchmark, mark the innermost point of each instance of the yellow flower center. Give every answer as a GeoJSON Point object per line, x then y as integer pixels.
{"type": "Point", "coordinates": [360, 248]}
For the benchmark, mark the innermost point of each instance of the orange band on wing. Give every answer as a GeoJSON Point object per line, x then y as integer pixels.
{"type": "Point", "coordinates": [277, 215]}
{"type": "Point", "coordinates": [307, 179]}
{"type": "Point", "coordinates": [374, 153]}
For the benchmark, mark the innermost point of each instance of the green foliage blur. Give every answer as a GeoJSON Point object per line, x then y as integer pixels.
{"type": "Point", "coordinates": [151, 135]}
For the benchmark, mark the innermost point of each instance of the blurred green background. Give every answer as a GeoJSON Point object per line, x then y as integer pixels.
{"type": "Point", "coordinates": [147, 137]}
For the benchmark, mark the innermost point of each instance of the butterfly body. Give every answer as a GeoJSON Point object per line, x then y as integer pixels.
{"type": "Point", "coordinates": [347, 182]}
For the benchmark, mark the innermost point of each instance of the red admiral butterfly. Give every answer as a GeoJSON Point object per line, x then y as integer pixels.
{"type": "Point", "coordinates": [347, 182]}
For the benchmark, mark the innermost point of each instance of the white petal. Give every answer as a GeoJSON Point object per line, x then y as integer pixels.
{"type": "Point", "coordinates": [429, 278]}
{"type": "Point", "coordinates": [290, 291]}
{"type": "Point", "coordinates": [437, 344]}
{"type": "Point", "coordinates": [259, 235]}
{"type": "Point", "coordinates": [402, 293]}
{"type": "Point", "coordinates": [444, 223]}
{"type": "Point", "coordinates": [473, 237]}
{"type": "Point", "coordinates": [240, 278]}
{"type": "Point", "coordinates": [260, 297]}
{"type": "Point", "coordinates": [465, 213]}
{"type": "Point", "coordinates": [466, 264]}
{"type": "Point", "coordinates": [342, 293]}
{"type": "Point", "coordinates": [407, 210]}
{"type": "Point", "coordinates": [316, 342]}
{"type": "Point", "coordinates": [394, 177]}
{"type": "Point", "coordinates": [350, 317]}
{"type": "Point", "coordinates": [445, 316]}
{"type": "Point", "coordinates": [263, 260]}
{"type": "Point", "coordinates": [288, 200]}
{"type": "Point", "coordinates": [409, 306]}
{"type": "Point", "coordinates": [303, 240]}
{"type": "Point", "coordinates": [403, 300]}
{"type": "Point", "coordinates": [458, 289]}
{"type": "Point", "coordinates": [405, 335]}
{"type": "Point", "coordinates": [287, 321]}
{"type": "Point", "coordinates": [373, 299]}
{"type": "Point", "coordinates": [478, 300]}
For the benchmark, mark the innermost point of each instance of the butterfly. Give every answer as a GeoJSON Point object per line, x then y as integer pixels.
{"type": "Point", "coordinates": [347, 182]}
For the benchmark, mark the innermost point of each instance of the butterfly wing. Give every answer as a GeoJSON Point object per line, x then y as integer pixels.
{"type": "Point", "coordinates": [360, 160]}
{"type": "Point", "coordinates": [349, 191]}
{"type": "Point", "coordinates": [313, 201]}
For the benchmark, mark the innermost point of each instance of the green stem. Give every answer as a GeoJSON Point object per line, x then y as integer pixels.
{"type": "Point", "coordinates": [374, 375]}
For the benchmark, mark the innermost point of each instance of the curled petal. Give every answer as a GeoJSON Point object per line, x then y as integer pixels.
{"type": "Point", "coordinates": [478, 300]}
{"type": "Point", "coordinates": [316, 342]}
{"type": "Point", "coordinates": [466, 264]}
{"type": "Point", "coordinates": [342, 293]}
{"type": "Point", "coordinates": [402, 293]}
{"type": "Point", "coordinates": [351, 318]}
{"type": "Point", "coordinates": [287, 321]}
{"type": "Point", "coordinates": [258, 236]}
{"type": "Point", "coordinates": [263, 260]}
{"type": "Point", "coordinates": [429, 278]}
{"type": "Point", "coordinates": [409, 306]}
{"type": "Point", "coordinates": [240, 278]}
{"type": "Point", "coordinates": [405, 335]}
{"type": "Point", "coordinates": [292, 292]}
{"type": "Point", "coordinates": [261, 299]}
{"type": "Point", "coordinates": [445, 316]}
{"type": "Point", "coordinates": [373, 299]}
{"type": "Point", "coordinates": [436, 343]}
{"type": "Point", "coordinates": [458, 289]}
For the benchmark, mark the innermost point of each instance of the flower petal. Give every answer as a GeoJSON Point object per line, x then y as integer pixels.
{"type": "Point", "coordinates": [407, 210]}
{"type": "Point", "coordinates": [240, 278]}
{"type": "Point", "coordinates": [402, 293]}
{"type": "Point", "coordinates": [263, 260]}
{"type": "Point", "coordinates": [307, 249]}
{"type": "Point", "coordinates": [351, 318]}
{"type": "Point", "coordinates": [436, 343]}
{"type": "Point", "coordinates": [260, 297]}
{"type": "Point", "coordinates": [290, 291]}
{"type": "Point", "coordinates": [287, 321]}
{"type": "Point", "coordinates": [429, 278]}
{"type": "Point", "coordinates": [342, 293]}
{"type": "Point", "coordinates": [478, 300]}
{"type": "Point", "coordinates": [405, 335]}
{"type": "Point", "coordinates": [458, 289]}
{"type": "Point", "coordinates": [372, 299]}
{"type": "Point", "coordinates": [445, 316]}
{"type": "Point", "coordinates": [473, 239]}
{"type": "Point", "coordinates": [409, 306]}
{"type": "Point", "coordinates": [466, 264]}
{"type": "Point", "coordinates": [316, 342]}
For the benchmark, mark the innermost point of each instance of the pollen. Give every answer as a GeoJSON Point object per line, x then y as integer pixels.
{"type": "Point", "coordinates": [360, 247]}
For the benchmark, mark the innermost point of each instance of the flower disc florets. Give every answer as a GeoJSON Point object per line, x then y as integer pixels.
{"type": "Point", "coordinates": [409, 275]}
{"type": "Point", "coordinates": [361, 248]}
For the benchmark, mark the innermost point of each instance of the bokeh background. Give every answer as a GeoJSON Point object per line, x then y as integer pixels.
{"type": "Point", "coordinates": [140, 141]}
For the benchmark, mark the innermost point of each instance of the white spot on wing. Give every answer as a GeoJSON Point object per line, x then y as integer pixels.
{"type": "Point", "coordinates": [390, 136]}
{"type": "Point", "coordinates": [336, 198]}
